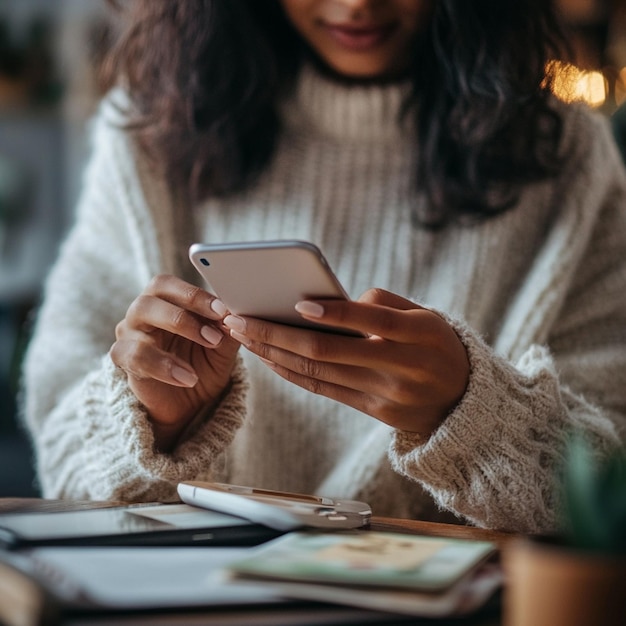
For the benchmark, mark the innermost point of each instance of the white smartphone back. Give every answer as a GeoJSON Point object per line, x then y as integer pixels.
{"type": "Point", "coordinates": [276, 509]}
{"type": "Point", "coordinates": [265, 279]}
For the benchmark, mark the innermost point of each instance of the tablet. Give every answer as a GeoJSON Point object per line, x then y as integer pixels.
{"type": "Point", "coordinates": [139, 524]}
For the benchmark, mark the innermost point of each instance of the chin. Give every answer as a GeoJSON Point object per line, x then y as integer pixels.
{"type": "Point", "coordinates": [356, 70]}
{"type": "Point", "coordinates": [361, 71]}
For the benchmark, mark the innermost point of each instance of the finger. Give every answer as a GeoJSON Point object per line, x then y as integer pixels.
{"type": "Point", "coordinates": [381, 408]}
{"type": "Point", "coordinates": [396, 386]}
{"type": "Point", "coordinates": [350, 376]}
{"type": "Point", "coordinates": [352, 397]}
{"type": "Point", "coordinates": [187, 296]}
{"type": "Point", "coordinates": [145, 361]}
{"type": "Point", "coordinates": [401, 325]}
{"type": "Point", "coordinates": [314, 344]}
{"type": "Point", "coordinates": [313, 352]}
{"type": "Point", "coordinates": [148, 313]}
{"type": "Point", "coordinates": [387, 298]}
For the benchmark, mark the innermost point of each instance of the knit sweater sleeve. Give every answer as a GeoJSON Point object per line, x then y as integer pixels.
{"type": "Point", "coordinates": [91, 435]}
{"type": "Point", "coordinates": [495, 459]}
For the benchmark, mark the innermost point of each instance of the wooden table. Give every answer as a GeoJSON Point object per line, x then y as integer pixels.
{"type": "Point", "coordinates": [303, 614]}
{"type": "Point", "coordinates": [433, 529]}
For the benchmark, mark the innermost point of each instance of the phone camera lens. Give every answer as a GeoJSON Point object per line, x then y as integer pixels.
{"type": "Point", "coordinates": [205, 261]}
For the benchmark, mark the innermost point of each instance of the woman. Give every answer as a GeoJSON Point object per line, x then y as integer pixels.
{"type": "Point", "coordinates": [418, 144]}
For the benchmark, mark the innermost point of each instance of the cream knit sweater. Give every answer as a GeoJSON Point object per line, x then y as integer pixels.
{"type": "Point", "coordinates": [537, 295]}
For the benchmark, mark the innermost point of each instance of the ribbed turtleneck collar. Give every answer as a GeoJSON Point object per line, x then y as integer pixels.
{"type": "Point", "coordinates": [347, 112]}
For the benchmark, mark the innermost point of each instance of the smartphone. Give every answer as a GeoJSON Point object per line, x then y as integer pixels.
{"type": "Point", "coordinates": [265, 279]}
{"type": "Point", "coordinates": [280, 510]}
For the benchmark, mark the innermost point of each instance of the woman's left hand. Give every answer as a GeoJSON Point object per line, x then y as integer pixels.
{"type": "Point", "coordinates": [409, 371]}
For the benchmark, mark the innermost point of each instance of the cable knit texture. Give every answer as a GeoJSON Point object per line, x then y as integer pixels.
{"type": "Point", "coordinates": [537, 295]}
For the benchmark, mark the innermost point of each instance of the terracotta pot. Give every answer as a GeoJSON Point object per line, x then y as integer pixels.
{"type": "Point", "coordinates": [552, 585]}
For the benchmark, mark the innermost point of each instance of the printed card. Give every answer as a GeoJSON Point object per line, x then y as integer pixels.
{"type": "Point", "coordinates": [366, 559]}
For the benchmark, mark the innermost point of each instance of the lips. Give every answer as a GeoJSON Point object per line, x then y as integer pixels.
{"type": "Point", "coordinates": [359, 38]}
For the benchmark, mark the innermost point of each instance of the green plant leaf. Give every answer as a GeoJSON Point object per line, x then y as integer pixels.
{"type": "Point", "coordinates": [595, 499]}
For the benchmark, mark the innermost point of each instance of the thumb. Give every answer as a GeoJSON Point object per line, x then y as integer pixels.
{"type": "Point", "coordinates": [386, 298]}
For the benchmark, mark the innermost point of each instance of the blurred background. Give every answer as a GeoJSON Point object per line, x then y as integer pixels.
{"type": "Point", "coordinates": [49, 50]}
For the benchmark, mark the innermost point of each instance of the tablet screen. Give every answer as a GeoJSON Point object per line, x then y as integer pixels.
{"type": "Point", "coordinates": [125, 523]}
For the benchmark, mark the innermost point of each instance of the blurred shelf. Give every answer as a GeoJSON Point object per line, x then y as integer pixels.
{"type": "Point", "coordinates": [17, 474]}
{"type": "Point", "coordinates": [33, 141]}
{"type": "Point", "coordinates": [30, 113]}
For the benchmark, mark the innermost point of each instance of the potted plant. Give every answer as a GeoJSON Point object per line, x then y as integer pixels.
{"type": "Point", "coordinates": [577, 578]}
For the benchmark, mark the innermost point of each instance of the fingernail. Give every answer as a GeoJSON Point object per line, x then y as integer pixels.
{"type": "Point", "coordinates": [217, 306]}
{"type": "Point", "coordinates": [212, 335]}
{"type": "Point", "coordinates": [310, 309]}
{"type": "Point", "coordinates": [235, 323]}
{"type": "Point", "coordinates": [240, 338]}
{"type": "Point", "coordinates": [187, 378]}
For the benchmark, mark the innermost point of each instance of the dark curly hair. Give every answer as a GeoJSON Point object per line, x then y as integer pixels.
{"type": "Point", "coordinates": [205, 77]}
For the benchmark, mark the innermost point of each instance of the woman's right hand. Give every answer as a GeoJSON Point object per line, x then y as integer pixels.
{"type": "Point", "coordinates": [177, 356]}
